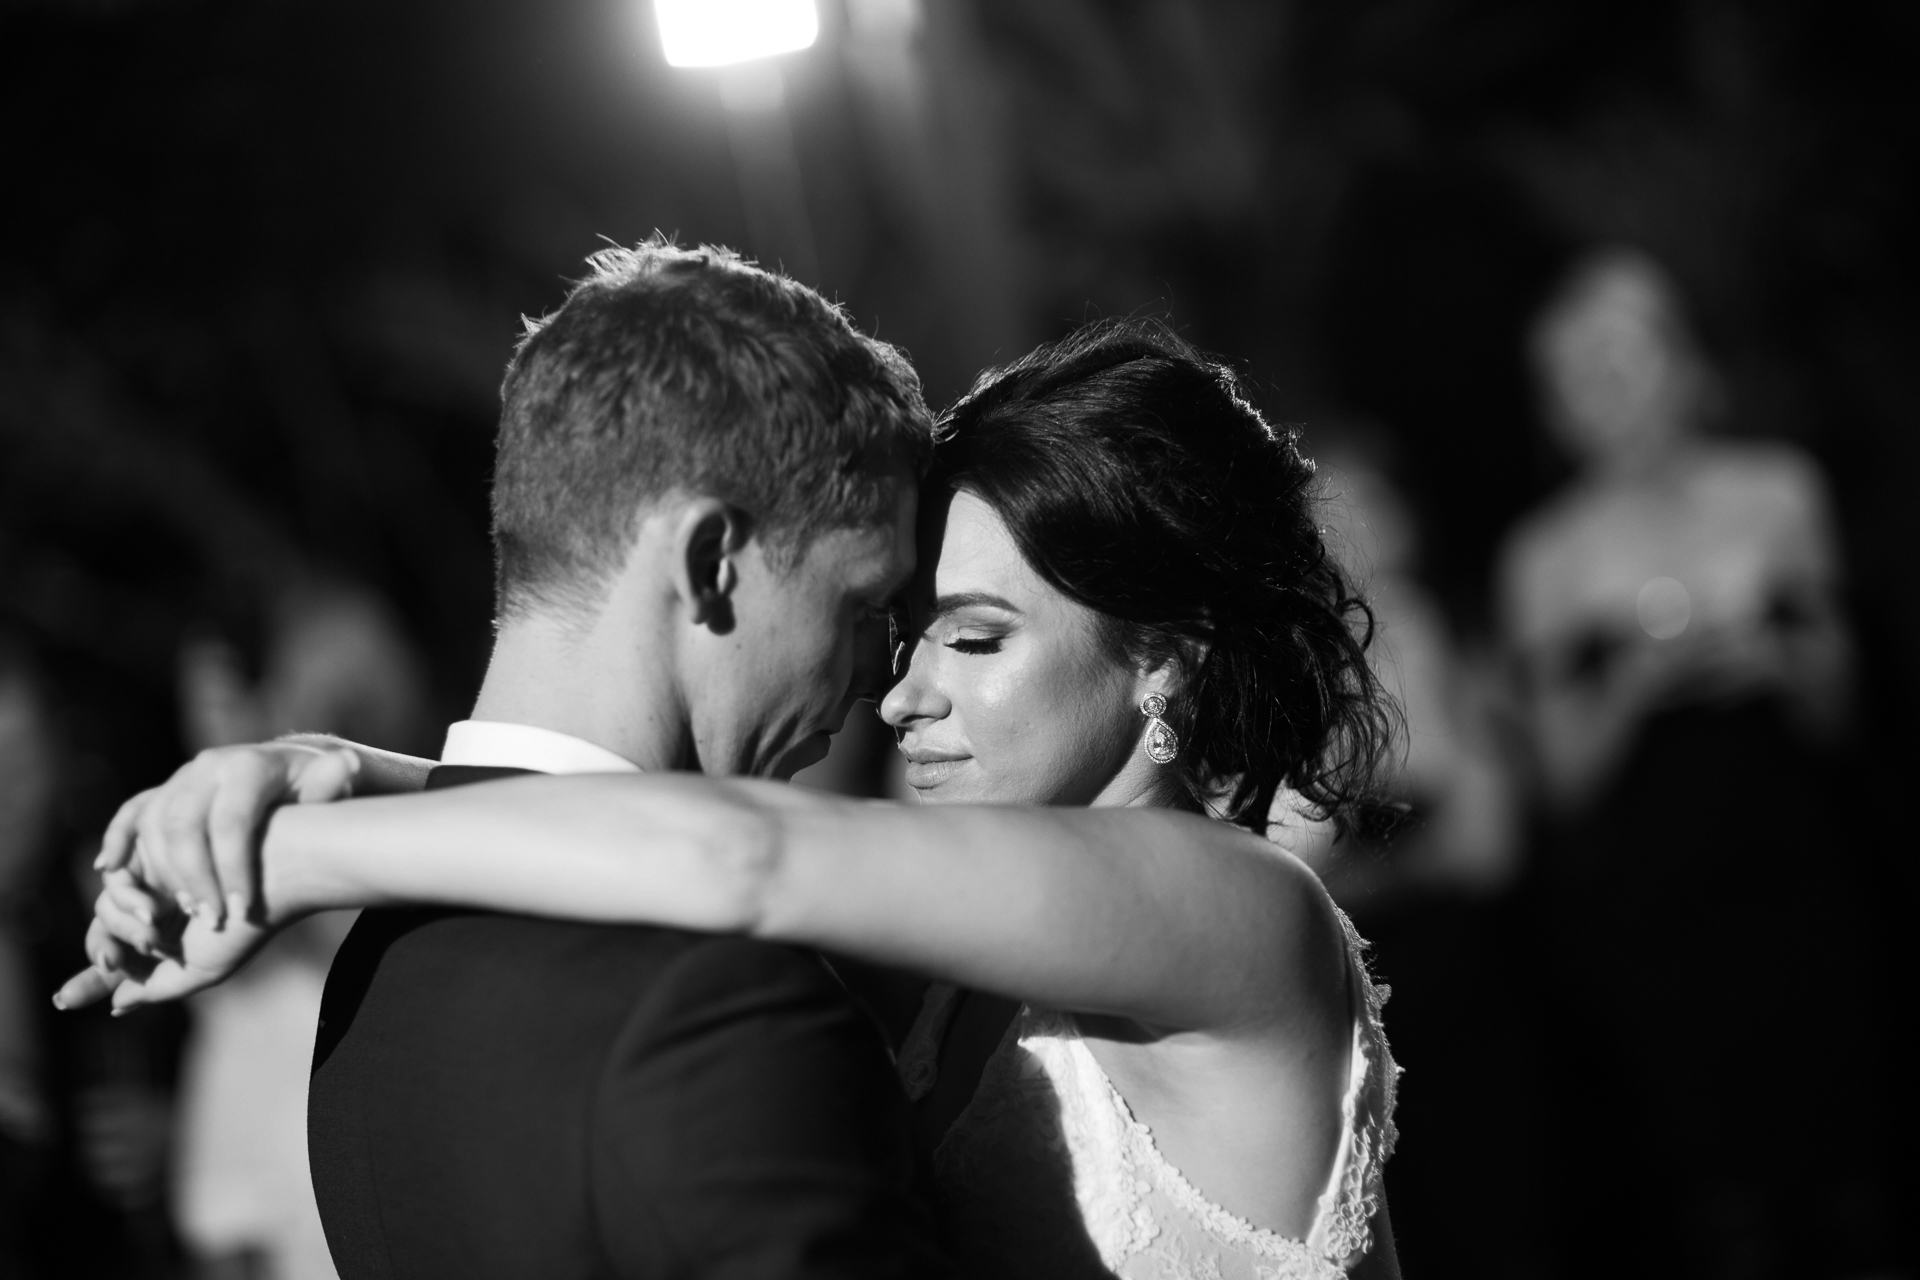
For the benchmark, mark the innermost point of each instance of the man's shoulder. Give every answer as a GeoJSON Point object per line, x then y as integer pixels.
{"type": "Point", "coordinates": [671, 1087]}
{"type": "Point", "coordinates": [528, 938]}
{"type": "Point", "coordinates": [429, 937]}
{"type": "Point", "coordinates": [412, 970]}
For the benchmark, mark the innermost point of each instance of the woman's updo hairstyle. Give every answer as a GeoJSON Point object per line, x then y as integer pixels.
{"type": "Point", "coordinates": [1136, 479]}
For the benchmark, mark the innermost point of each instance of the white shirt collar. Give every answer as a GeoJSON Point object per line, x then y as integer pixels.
{"type": "Point", "coordinates": [499, 744]}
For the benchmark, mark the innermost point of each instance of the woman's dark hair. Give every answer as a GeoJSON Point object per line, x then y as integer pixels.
{"type": "Point", "coordinates": [1137, 480]}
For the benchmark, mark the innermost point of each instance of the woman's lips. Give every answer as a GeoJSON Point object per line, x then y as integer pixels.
{"type": "Point", "coordinates": [927, 769]}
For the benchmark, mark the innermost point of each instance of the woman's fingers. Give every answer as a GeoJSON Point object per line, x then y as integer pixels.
{"type": "Point", "coordinates": [103, 949]}
{"type": "Point", "coordinates": [125, 913]}
{"type": "Point", "coordinates": [116, 847]}
{"type": "Point", "coordinates": [170, 979]}
{"type": "Point", "coordinates": [94, 984]}
{"type": "Point", "coordinates": [133, 896]}
{"type": "Point", "coordinates": [251, 785]}
{"type": "Point", "coordinates": [133, 993]}
{"type": "Point", "coordinates": [252, 782]}
{"type": "Point", "coordinates": [89, 986]}
{"type": "Point", "coordinates": [173, 841]}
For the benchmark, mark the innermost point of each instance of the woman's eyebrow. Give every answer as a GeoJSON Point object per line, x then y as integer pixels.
{"type": "Point", "coordinates": [968, 599]}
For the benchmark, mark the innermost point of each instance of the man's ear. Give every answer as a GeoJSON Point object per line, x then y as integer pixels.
{"type": "Point", "coordinates": [708, 536]}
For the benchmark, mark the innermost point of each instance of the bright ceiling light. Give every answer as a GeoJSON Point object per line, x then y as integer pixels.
{"type": "Point", "coordinates": [713, 33]}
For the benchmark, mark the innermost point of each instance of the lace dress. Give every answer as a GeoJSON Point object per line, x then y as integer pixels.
{"type": "Point", "coordinates": [1048, 1174]}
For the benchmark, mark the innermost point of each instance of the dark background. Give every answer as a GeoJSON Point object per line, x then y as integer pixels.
{"type": "Point", "coordinates": [263, 262]}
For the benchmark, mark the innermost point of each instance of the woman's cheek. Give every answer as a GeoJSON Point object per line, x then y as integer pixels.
{"type": "Point", "coordinates": [993, 713]}
{"type": "Point", "coordinates": [1036, 717]}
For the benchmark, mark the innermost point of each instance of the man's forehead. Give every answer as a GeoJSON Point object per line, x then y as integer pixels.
{"type": "Point", "coordinates": [874, 559]}
{"type": "Point", "coordinates": [902, 553]}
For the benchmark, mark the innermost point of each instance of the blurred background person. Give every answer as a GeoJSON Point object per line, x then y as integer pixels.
{"type": "Point", "coordinates": [1673, 617]}
{"type": "Point", "coordinates": [334, 661]}
{"type": "Point", "coordinates": [85, 1104]}
{"type": "Point", "coordinates": [1676, 567]}
{"type": "Point", "coordinates": [26, 812]}
{"type": "Point", "coordinates": [1433, 886]}
{"type": "Point", "coordinates": [1459, 830]}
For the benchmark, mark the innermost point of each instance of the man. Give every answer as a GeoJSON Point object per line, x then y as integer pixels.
{"type": "Point", "coordinates": [703, 501]}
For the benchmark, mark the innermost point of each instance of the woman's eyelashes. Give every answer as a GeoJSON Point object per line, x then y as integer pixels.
{"type": "Point", "coordinates": [974, 644]}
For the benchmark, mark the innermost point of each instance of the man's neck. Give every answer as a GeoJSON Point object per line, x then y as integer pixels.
{"type": "Point", "coordinates": [589, 682]}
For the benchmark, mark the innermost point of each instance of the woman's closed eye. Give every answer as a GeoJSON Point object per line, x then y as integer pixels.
{"type": "Point", "coordinates": [973, 622]}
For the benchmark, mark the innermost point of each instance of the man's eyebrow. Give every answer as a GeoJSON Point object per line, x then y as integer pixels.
{"type": "Point", "coordinates": [967, 599]}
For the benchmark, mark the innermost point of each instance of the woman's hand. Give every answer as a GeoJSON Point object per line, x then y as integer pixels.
{"type": "Point", "coordinates": [145, 952]}
{"type": "Point", "coordinates": [195, 837]}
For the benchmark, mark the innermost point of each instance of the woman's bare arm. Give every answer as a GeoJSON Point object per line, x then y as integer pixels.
{"type": "Point", "coordinates": [1172, 919]}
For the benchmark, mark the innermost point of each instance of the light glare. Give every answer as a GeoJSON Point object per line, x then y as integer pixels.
{"type": "Point", "coordinates": [714, 33]}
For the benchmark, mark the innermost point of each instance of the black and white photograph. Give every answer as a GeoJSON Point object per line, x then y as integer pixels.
{"type": "Point", "coordinates": [959, 639]}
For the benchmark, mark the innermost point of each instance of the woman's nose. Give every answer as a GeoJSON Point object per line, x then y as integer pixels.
{"type": "Point", "coordinates": [914, 695]}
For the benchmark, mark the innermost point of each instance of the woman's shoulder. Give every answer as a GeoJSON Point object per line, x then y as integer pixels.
{"type": "Point", "coordinates": [1757, 485]}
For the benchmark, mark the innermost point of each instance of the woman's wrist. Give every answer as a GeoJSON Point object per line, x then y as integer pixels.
{"type": "Point", "coordinates": [291, 883]}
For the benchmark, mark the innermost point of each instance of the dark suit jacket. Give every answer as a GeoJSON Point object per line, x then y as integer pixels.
{"type": "Point", "coordinates": [501, 1096]}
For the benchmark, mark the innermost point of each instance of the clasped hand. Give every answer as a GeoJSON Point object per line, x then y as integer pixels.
{"type": "Point", "coordinates": [181, 905]}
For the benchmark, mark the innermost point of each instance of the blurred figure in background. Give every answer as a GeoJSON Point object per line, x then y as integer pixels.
{"type": "Point", "coordinates": [1676, 568]}
{"type": "Point", "coordinates": [335, 661]}
{"type": "Point", "coordinates": [1434, 895]}
{"type": "Point", "coordinates": [1461, 832]}
{"type": "Point", "coordinates": [1673, 616]}
{"type": "Point", "coordinates": [86, 1103]}
{"type": "Point", "coordinates": [26, 811]}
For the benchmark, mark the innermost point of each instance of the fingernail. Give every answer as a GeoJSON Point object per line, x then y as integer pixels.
{"type": "Point", "coordinates": [59, 1001]}
{"type": "Point", "coordinates": [100, 861]}
{"type": "Point", "coordinates": [236, 907]}
{"type": "Point", "coordinates": [184, 901]}
{"type": "Point", "coordinates": [144, 911]}
{"type": "Point", "coordinates": [117, 1012]}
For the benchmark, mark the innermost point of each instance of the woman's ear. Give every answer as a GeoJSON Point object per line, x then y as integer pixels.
{"type": "Point", "coordinates": [1172, 673]}
{"type": "Point", "coordinates": [707, 540]}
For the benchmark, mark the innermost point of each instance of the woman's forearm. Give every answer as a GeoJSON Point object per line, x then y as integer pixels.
{"type": "Point", "coordinates": [572, 848]}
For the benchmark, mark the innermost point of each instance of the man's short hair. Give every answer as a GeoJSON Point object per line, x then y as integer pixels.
{"type": "Point", "coordinates": [690, 370]}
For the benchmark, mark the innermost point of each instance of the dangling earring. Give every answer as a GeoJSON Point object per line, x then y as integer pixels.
{"type": "Point", "coordinates": [1160, 744]}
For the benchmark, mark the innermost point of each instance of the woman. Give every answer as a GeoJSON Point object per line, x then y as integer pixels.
{"type": "Point", "coordinates": [1124, 603]}
{"type": "Point", "coordinates": [1675, 615]}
